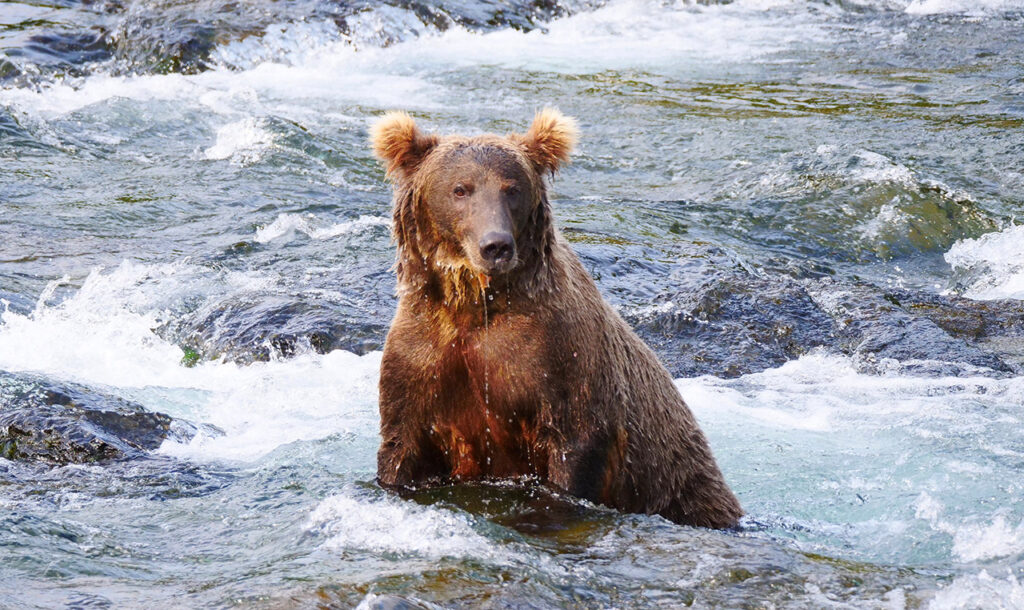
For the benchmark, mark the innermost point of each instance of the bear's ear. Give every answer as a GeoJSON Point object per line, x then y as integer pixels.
{"type": "Point", "coordinates": [399, 144]}
{"type": "Point", "coordinates": [550, 139]}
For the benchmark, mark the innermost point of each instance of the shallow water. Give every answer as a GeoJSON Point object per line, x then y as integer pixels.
{"type": "Point", "coordinates": [204, 232]}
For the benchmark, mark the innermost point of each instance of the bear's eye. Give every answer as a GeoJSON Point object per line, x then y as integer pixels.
{"type": "Point", "coordinates": [512, 191]}
{"type": "Point", "coordinates": [460, 191]}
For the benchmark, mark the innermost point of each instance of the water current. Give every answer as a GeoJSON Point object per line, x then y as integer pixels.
{"type": "Point", "coordinates": [191, 221]}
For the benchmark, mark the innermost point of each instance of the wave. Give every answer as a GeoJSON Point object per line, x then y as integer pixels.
{"type": "Point", "coordinates": [314, 60]}
{"type": "Point", "coordinates": [104, 334]}
{"type": "Point", "coordinates": [991, 266]}
{"type": "Point", "coordinates": [976, 8]}
{"type": "Point", "coordinates": [387, 525]}
{"type": "Point", "coordinates": [287, 225]}
{"type": "Point", "coordinates": [243, 142]}
{"type": "Point", "coordinates": [893, 435]}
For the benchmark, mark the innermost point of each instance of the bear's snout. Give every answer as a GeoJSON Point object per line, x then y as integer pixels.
{"type": "Point", "coordinates": [498, 250]}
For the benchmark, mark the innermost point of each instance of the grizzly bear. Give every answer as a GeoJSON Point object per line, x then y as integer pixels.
{"type": "Point", "coordinates": [503, 360]}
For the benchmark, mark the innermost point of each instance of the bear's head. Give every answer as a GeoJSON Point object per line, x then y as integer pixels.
{"type": "Point", "coordinates": [469, 209]}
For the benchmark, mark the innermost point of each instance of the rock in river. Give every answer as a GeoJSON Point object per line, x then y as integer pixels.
{"type": "Point", "coordinates": [61, 423]}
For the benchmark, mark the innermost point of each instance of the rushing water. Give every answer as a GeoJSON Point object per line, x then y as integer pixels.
{"type": "Point", "coordinates": [191, 220]}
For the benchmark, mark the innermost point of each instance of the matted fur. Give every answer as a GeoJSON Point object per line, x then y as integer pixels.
{"type": "Point", "coordinates": [398, 142]}
{"type": "Point", "coordinates": [529, 374]}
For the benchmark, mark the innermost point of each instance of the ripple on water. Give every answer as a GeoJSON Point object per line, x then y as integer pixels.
{"type": "Point", "coordinates": [394, 527]}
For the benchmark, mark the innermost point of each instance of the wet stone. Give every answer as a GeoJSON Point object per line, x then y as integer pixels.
{"type": "Point", "coordinates": [733, 325]}
{"type": "Point", "coordinates": [723, 319]}
{"type": "Point", "coordinates": [524, 15]}
{"type": "Point", "coordinates": [259, 329]}
{"type": "Point", "coordinates": [875, 329]}
{"type": "Point", "coordinates": [8, 70]}
{"type": "Point", "coordinates": [60, 423]}
{"type": "Point", "coordinates": [65, 50]}
{"type": "Point", "coordinates": [962, 317]}
{"type": "Point", "coordinates": [178, 36]}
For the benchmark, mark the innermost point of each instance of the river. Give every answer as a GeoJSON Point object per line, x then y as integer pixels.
{"type": "Point", "coordinates": [809, 208]}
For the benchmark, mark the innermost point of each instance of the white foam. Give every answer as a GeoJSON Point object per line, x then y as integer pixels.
{"type": "Point", "coordinates": [977, 540]}
{"type": "Point", "coordinates": [64, 97]}
{"type": "Point", "coordinates": [636, 34]}
{"type": "Point", "coordinates": [824, 392]}
{"type": "Point", "coordinates": [103, 335]}
{"type": "Point", "coordinates": [339, 77]}
{"type": "Point", "coordinates": [806, 415]}
{"type": "Point", "coordinates": [968, 7]}
{"type": "Point", "coordinates": [875, 167]}
{"type": "Point", "coordinates": [285, 226]}
{"type": "Point", "coordinates": [979, 592]}
{"type": "Point", "coordinates": [994, 261]}
{"type": "Point", "coordinates": [389, 525]}
{"type": "Point", "coordinates": [304, 61]}
{"type": "Point", "coordinates": [243, 142]}
{"type": "Point", "coordinates": [265, 405]}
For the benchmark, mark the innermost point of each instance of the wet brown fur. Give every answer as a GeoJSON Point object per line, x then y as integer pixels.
{"type": "Point", "coordinates": [531, 374]}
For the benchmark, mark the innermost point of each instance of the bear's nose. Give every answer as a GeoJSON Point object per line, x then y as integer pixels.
{"type": "Point", "coordinates": [497, 248]}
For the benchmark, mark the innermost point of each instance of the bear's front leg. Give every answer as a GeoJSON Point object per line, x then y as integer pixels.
{"type": "Point", "coordinates": [396, 464]}
{"type": "Point", "coordinates": [407, 456]}
{"type": "Point", "coordinates": [588, 464]}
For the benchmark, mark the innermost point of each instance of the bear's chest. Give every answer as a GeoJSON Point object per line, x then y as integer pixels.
{"type": "Point", "coordinates": [504, 365]}
{"type": "Point", "coordinates": [488, 390]}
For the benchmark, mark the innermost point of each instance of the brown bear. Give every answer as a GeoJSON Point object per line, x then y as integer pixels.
{"type": "Point", "coordinates": [503, 360]}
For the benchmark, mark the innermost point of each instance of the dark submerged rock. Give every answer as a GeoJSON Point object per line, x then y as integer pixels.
{"type": "Point", "coordinates": [964, 318]}
{"type": "Point", "coordinates": [66, 50]}
{"type": "Point", "coordinates": [724, 319]}
{"type": "Point", "coordinates": [273, 326]}
{"type": "Point", "coordinates": [733, 325]}
{"type": "Point", "coordinates": [875, 328]}
{"type": "Point", "coordinates": [61, 423]}
{"type": "Point", "coordinates": [180, 36]}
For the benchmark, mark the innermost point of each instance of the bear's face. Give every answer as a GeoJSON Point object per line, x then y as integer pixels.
{"type": "Point", "coordinates": [473, 199]}
{"type": "Point", "coordinates": [480, 195]}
